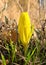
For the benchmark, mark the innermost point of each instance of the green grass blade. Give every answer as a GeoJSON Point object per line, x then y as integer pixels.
{"type": "Point", "coordinates": [3, 59]}
{"type": "Point", "coordinates": [29, 56]}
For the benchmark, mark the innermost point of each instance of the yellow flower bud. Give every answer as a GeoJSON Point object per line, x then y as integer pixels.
{"type": "Point", "coordinates": [25, 29]}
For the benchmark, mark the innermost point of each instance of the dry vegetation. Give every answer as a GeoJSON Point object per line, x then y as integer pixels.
{"type": "Point", "coordinates": [15, 7]}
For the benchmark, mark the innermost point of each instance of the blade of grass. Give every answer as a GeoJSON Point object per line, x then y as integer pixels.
{"type": "Point", "coordinates": [29, 55]}
{"type": "Point", "coordinates": [3, 59]}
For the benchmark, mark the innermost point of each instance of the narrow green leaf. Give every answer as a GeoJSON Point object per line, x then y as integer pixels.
{"type": "Point", "coordinates": [29, 55]}
{"type": "Point", "coordinates": [3, 59]}
{"type": "Point", "coordinates": [13, 47]}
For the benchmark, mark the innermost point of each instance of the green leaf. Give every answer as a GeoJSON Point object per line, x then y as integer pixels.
{"type": "Point", "coordinates": [13, 47]}
{"type": "Point", "coordinates": [29, 55]}
{"type": "Point", "coordinates": [3, 59]}
{"type": "Point", "coordinates": [8, 49]}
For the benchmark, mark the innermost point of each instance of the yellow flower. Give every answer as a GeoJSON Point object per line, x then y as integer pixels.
{"type": "Point", "coordinates": [25, 29]}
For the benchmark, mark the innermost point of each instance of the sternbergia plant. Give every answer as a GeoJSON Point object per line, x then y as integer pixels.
{"type": "Point", "coordinates": [25, 29]}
